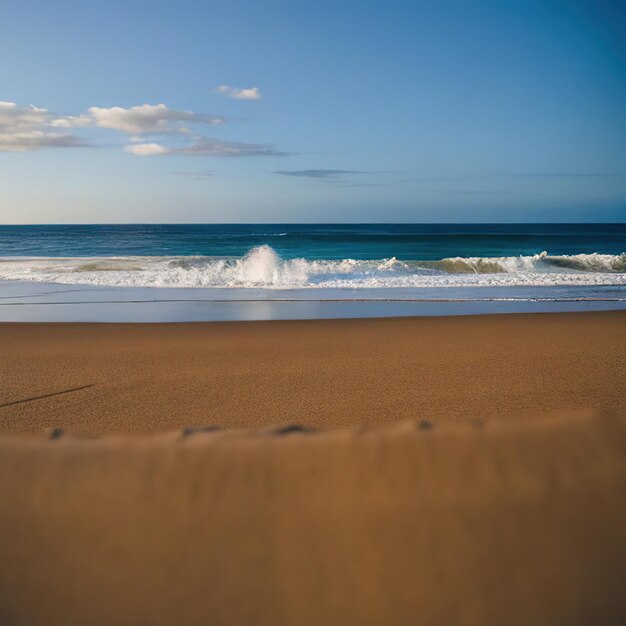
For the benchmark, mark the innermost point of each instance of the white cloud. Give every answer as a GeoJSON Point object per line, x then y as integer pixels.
{"type": "Point", "coordinates": [147, 127]}
{"type": "Point", "coordinates": [205, 146]}
{"type": "Point", "coordinates": [11, 114]}
{"type": "Point", "coordinates": [36, 140]}
{"type": "Point", "coordinates": [147, 149]}
{"type": "Point", "coordinates": [250, 93]}
{"type": "Point", "coordinates": [29, 128]}
{"type": "Point", "coordinates": [145, 118]}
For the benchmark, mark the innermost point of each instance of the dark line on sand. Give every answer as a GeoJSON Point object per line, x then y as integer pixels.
{"type": "Point", "coordinates": [45, 293]}
{"type": "Point", "coordinates": [47, 395]}
{"type": "Point", "coordinates": [318, 300]}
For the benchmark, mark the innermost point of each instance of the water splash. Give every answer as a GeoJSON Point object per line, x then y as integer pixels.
{"type": "Point", "coordinates": [262, 267]}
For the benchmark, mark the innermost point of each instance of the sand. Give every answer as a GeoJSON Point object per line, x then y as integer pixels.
{"type": "Point", "coordinates": [454, 475]}
{"type": "Point", "coordinates": [105, 378]}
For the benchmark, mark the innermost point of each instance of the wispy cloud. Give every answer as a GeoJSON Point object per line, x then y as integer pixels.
{"type": "Point", "coordinates": [249, 93]}
{"type": "Point", "coordinates": [30, 128]}
{"type": "Point", "coordinates": [320, 173]}
{"type": "Point", "coordinates": [147, 149]}
{"type": "Point", "coordinates": [204, 146]}
{"type": "Point", "coordinates": [151, 129]}
{"type": "Point", "coordinates": [144, 118]}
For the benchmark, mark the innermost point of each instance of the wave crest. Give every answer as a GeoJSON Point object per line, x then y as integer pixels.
{"type": "Point", "coordinates": [537, 262]}
{"type": "Point", "coordinates": [262, 267]}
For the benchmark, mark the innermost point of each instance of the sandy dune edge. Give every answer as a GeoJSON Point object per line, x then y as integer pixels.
{"type": "Point", "coordinates": [498, 522]}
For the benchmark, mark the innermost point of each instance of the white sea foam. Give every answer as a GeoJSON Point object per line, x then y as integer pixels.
{"type": "Point", "coordinates": [263, 268]}
{"type": "Point", "coordinates": [537, 262]}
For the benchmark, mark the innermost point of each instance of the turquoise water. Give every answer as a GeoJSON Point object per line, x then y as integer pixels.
{"type": "Point", "coordinates": [366, 257]}
{"type": "Point", "coordinates": [425, 242]}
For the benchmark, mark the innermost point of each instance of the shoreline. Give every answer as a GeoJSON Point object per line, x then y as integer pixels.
{"type": "Point", "coordinates": [52, 302]}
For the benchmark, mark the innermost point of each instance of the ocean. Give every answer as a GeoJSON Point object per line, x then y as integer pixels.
{"type": "Point", "coordinates": [217, 271]}
{"type": "Point", "coordinates": [300, 256]}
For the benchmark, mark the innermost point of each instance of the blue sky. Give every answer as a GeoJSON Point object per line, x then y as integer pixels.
{"type": "Point", "coordinates": [294, 111]}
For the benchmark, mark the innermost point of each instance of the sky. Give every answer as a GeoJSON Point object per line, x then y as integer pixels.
{"type": "Point", "coordinates": [312, 111]}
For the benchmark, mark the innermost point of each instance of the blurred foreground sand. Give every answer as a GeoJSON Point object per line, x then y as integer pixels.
{"type": "Point", "coordinates": [497, 502]}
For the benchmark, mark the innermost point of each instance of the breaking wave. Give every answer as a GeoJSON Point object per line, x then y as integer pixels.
{"type": "Point", "coordinates": [537, 262]}
{"type": "Point", "coordinates": [262, 267]}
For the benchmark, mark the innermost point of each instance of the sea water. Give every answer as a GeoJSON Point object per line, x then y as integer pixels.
{"type": "Point", "coordinates": [312, 256]}
{"type": "Point", "coordinates": [313, 262]}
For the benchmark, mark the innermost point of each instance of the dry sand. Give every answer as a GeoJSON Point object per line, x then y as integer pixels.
{"type": "Point", "coordinates": [326, 374]}
{"type": "Point", "coordinates": [444, 519]}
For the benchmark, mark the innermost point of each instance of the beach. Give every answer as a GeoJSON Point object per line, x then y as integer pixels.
{"type": "Point", "coordinates": [313, 314]}
{"type": "Point", "coordinates": [323, 374]}
{"type": "Point", "coordinates": [464, 470]}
